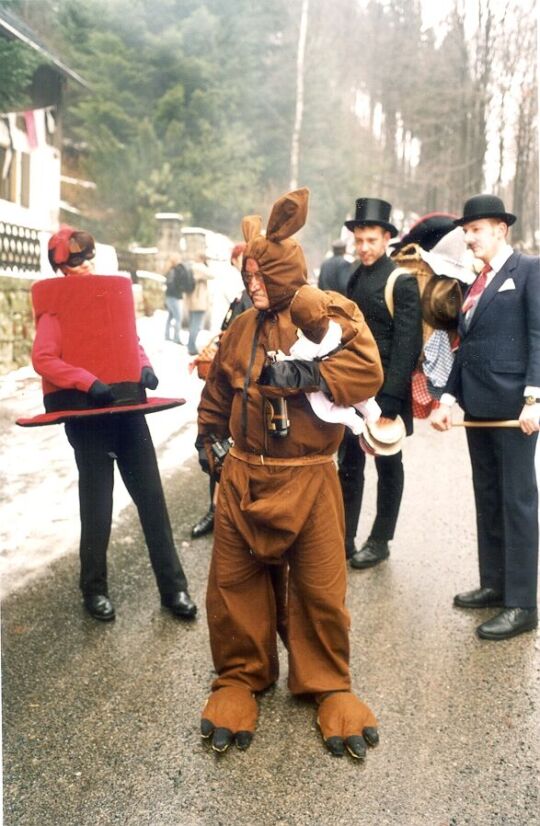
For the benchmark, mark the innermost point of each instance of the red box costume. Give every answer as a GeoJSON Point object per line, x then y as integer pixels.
{"type": "Point", "coordinates": [86, 333]}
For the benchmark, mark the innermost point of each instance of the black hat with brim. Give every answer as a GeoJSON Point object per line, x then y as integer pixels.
{"type": "Point", "coordinates": [485, 206]}
{"type": "Point", "coordinates": [428, 230]}
{"type": "Point", "coordinates": [372, 212]}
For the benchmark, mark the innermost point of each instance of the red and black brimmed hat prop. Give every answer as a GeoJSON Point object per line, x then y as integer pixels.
{"type": "Point", "coordinates": [96, 319]}
{"type": "Point", "coordinates": [372, 212]}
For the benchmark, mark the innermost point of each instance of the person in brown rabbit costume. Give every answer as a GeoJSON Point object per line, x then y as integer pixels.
{"type": "Point", "coordinates": [278, 562]}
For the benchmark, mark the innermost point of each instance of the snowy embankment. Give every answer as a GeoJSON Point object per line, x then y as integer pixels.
{"type": "Point", "coordinates": [39, 519]}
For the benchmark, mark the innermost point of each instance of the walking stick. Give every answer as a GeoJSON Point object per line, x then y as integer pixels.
{"type": "Point", "coordinates": [496, 423]}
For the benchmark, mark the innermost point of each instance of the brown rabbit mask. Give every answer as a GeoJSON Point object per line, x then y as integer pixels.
{"type": "Point", "coordinates": [280, 258]}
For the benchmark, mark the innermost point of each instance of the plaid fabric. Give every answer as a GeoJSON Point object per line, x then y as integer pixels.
{"type": "Point", "coordinates": [422, 401]}
{"type": "Point", "coordinates": [438, 358]}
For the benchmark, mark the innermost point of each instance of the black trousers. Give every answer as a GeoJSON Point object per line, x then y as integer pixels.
{"type": "Point", "coordinates": [506, 498]}
{"type": "Point", "coordinates": [99, 442]}
{"type": "Point", "coordinates": [351, 462]}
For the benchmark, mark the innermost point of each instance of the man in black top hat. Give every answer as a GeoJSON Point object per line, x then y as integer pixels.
{"type": "Point", "coordinates": [335, 271]}
{"type": "Point", "coordinates": [496, 378]}
{"type": "Point", "coordinates": [399, 339]}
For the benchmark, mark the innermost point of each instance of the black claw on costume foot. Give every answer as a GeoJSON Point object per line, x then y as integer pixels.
{"type": "Point", "coordinates": [509, 623]}
{"type": "Point", "coordinates": [179, 604]}
{"type": "Point", "coordinates": [479, 598]}
{"type": "Point", "coordinates": [372, 552]}
{"type": "Point", "coordinates": [222, 738]}
{"type": "Point", "coordinates": [356, 746]}
{"type": "Point", "coordinates": [99, 606]}
{"type": "Point", "coordinates": [204, 525]}
{"type": "Point", "coordinates": [371, 736]}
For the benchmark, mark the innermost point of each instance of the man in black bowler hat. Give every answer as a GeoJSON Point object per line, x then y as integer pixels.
{"type": "Point", "coordinates": [496, 379]}
{"type": "Point", "coordinates": [399, 339]}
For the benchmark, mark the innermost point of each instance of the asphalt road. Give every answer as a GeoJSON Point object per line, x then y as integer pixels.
{"type": "Point", "coordinates": [101, 721]}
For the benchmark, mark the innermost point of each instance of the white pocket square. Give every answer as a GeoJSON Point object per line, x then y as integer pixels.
{"type": "Point", "coordinates": [508, 285]}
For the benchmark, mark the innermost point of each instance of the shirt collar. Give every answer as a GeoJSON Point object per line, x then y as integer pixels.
{"type": "Point", "coordinates": [499, 260]}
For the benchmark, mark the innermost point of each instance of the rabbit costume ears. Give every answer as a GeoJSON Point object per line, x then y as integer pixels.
{"type": "Point", "coordinates": [280, 258]}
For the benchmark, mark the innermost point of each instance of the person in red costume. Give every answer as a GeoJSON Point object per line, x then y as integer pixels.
{"type": "Point", "coordinates": [95, 375]}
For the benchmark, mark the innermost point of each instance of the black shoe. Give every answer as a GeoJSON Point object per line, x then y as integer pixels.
{"type": "Point", "coordinates": [204, 525]}
{"type": "Point", "coordinates": [509, 623]}
{"type": "Point", "coordinates": [371, 553]}
{"type": "Point", "coordinates": [179, 604]}
{"type": "Point", "coordinates": [479, 598]}
{"type": "Point", "coordinates": [99, 606]}
{"type": "Point", "coordinates": [350, 548]}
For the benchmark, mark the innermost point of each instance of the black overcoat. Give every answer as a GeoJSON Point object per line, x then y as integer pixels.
{"type": "Point", "coordinates": [399, 339]}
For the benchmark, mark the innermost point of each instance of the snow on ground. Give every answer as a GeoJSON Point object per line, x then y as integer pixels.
{"type": "Point", "coordinates": [39, 506]}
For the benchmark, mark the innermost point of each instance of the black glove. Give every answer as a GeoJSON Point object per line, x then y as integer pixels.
{"type": "Point", "coordinates": [291, 375]}
{"type": "Point", "coordinates": [149, 378]}
{"type": "Point", "coordinates": [203, 460]}
{"type": "Point", "coordinates": [100, 393]}
{"type": "Point", "coordinates": [390, 406]}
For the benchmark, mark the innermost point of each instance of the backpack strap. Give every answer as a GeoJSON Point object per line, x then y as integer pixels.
{"type": "Point", "coordinates": [389, 287]}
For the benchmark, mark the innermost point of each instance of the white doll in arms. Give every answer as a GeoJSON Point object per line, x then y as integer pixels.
{"type": "Point", "coordinates": [354, 416]}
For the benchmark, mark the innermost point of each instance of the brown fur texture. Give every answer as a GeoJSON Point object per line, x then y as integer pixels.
{"type": "Point", "coordinates": [233, 707]}
{"type": "Point", "coordinates": [278, 563]}
{"type": "Point", "coordinates": [280, 258]}
{"type": "Point", "coordinates": [343, 715]}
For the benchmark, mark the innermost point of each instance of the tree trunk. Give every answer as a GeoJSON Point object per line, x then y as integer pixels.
{"type": "Point", "coordinates": [295, 144]}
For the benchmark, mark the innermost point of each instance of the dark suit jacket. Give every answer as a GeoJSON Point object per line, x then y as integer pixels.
{"type": "Point", "coordinates": [499, 352]}
{"type": "Point", "coordinates": [334, 274]}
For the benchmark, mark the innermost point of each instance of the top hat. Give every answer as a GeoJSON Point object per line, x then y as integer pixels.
{"type": "Point", "coordinates": [428, 230]}
{"type": "Point", "coordinates": [339, 245]}
{"type": "Point", "coordinates": [372, 212]}
{"type": "Point", "coordinates": [485, 206]}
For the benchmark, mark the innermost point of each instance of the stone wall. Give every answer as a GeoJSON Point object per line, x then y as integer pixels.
{"type": "Point", "coordinates": [16, 322]}
{"type": "Point", "coordinates": [152, 287]}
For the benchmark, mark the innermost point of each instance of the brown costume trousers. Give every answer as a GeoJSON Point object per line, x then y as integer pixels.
{"type": "Point", "coordinates": [279, 525]}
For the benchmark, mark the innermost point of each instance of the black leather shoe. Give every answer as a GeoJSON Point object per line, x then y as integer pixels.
{"type": "Point", "coordinates": [99, 606]}
{"type": "Point", "coordinates": [179, 604]}
{"type": "Point", "coordinates": [350, 548]}
{"type": "Point", "coordinates": [371, 553]}
{"type": "Point", "coordinates": [479, 598]}
{"type": "Point", "coordinates": [204, 525]}
{"type": "Point", "coordinates": [509, 623]}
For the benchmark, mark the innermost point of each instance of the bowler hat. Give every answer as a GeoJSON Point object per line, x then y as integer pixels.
{"type": "Point", "coordinates": [372, 212]}
{"type": "Point", "coordinates": [485, 206]}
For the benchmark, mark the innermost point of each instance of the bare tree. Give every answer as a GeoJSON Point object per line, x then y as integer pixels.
{"type": "Point", "coordinates": [300, 60]}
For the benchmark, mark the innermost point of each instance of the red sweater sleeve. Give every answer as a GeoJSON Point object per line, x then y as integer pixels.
{"type": "Point", "coordinates": [47, 358]}
{"type": "Point", "coordinates": [145, 361]}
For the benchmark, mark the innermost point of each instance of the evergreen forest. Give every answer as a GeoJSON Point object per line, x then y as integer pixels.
{"type": "Point", "coordinates": [192, 106]}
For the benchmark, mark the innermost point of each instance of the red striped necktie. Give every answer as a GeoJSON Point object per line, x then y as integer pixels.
{"type": "Point", "coordinates": [476, 290]}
